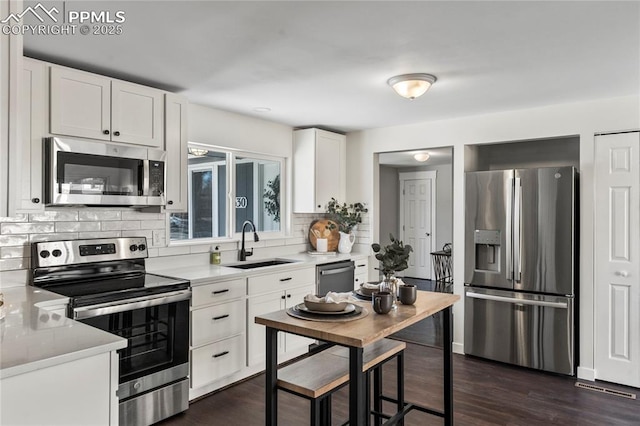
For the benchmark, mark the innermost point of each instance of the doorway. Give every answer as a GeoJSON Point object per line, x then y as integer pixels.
{"type": "Point", "coordinates": [426, 207]}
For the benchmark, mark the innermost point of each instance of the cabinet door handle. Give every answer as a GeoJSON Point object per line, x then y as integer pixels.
{"type": "Point", "coordinates": [285, 279]}
{"type": "Point", "coordinates": [35, 200]}
{"type": "Point", "coordinates": [170, 202]}
{"type": "Point", "coordinates": [220, 354]}
{"type": "Point", "coordinates": [220, 291]}
{"type": "Point", "coordinates": [289, 296]}
{"type": "Point", "coordinates": [106, 132]}
{"type": "Point", "coordinates": [282, 297]}
{"type": "Point", "coordinates": [116, 133]}
{"type": "Point", "coordinates": [220, 317]}
{"type": "Point", "coordinates": [361, 266]}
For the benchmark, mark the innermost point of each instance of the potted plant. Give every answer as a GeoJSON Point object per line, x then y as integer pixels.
{"type": "Point", "coordinates": [393, 257]}
{"type": "Point", "coordinates": [347, 216]}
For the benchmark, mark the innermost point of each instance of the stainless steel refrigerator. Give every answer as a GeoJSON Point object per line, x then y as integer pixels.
{"type": "Point", "coordinates": [520, 257]}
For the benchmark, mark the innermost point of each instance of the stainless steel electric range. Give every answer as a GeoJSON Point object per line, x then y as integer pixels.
{"type": "Point", "coordinates": [109, 288]}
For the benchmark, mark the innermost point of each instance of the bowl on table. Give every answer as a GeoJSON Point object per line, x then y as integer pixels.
{"type": "Point", "coordinates": [322, 306]}
{"type": "Point", "coordinates": [369, 288]}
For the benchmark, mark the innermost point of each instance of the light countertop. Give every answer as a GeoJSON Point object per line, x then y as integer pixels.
{"type": "Point", "coordinates": [34, 336]}
{"type": "Point", "coordinates": [206, 273]}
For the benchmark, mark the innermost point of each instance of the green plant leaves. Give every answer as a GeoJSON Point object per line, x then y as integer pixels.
{"type": "Point", "coordinates": [393, 257]}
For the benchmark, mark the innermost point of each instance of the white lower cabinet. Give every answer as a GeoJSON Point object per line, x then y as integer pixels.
{"type": "Point", "coordinates": [361, 274]}
{"type": "Point", "coordinates": [81, 392]}
{"type": "Point", "coordinates": [217, 360]}
{"type": "Point", "coordinates": [218, 331]}
{"type": "Point", "coordinates": [279, 291]}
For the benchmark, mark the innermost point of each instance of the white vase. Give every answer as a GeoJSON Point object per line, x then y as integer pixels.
{"type": "Point", "coordinates": [346, 242]}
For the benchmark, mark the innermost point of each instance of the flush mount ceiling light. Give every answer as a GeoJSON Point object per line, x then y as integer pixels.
{"type": "Point", "coordinates": [421, 156]}
{"type": "Point", "coordinates": [411, 86]}
{"type": "Point", "coordinates": [198, 152]}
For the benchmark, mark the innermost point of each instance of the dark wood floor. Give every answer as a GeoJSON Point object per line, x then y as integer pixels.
{"type": "Point", "coordinates": [485, 393]}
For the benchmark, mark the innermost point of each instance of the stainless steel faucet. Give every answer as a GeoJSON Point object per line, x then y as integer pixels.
{"type": "Point", "coordinates": [243, 253]}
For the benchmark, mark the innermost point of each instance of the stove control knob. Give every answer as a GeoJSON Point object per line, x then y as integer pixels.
{"type": "Point", "coordinates": [56, 253]}
{"type": "Point", "coordinates": [44, 254]}
{"type": "Point", "coordinates": [133, 247]}
{"type": "Point", "coordinates": [141, 247]}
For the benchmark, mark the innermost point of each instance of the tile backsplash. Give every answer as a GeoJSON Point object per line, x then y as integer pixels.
{"type": "Point", "coordinates": [17, 232]}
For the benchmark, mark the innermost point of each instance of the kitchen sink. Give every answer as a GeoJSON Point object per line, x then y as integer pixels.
{"type": "Point", "coordinates": [261, 264]}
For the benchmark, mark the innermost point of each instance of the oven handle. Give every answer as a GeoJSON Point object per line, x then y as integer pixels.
{"type": "Point", "coordinates": [337, 271]}
{"type": "Point", "coordinates": [129, 304]}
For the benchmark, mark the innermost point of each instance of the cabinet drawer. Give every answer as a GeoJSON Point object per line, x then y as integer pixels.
{"type": "Point", "coordinates": [362, 266]}
{"type": "Point", "coordinates": [280, 281]}
{"type": "Point", "coordinates": [217, 322]}
{"type": "Point", "coordinates": [358, 280]}
{"type": "Point", "coordinates": [217, 292]}
{"type": "Point", "coordinates": [212, 362]}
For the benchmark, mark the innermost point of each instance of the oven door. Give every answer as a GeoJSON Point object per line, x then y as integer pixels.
{"type": "Point", "coordinates": [157, 331]}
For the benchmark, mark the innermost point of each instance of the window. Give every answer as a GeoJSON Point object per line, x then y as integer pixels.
{"type": "Point", "coordinates": [218, 175]}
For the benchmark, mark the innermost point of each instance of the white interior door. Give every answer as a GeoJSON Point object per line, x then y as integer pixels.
{"type": "Point", "coordinates": [617, 258]}
{"type": "Point", "coordinates": [417, 213]}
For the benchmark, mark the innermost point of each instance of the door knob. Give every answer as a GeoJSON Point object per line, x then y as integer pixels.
{"type": "Point", "coordinates": [428, 234]}
{"type": "Point", "coordinates": [622, 273]}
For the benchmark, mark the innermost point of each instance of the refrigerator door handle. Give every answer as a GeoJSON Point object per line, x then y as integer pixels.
{"type": "Point", "coordinates": [517, 221]}
{"type": "Point", "coordinates": [561, 305]}
{"type": "Point", "coordinates": [508, 189]}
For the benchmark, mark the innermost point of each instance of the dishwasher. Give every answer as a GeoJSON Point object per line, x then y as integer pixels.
{"type": "Point", "coordinates": [336, 276]}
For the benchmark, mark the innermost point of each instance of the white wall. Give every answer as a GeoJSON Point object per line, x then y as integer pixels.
{"type": "Point", "coordinates": [583, 119]}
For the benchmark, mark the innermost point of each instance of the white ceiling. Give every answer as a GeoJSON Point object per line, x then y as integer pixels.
{"type": "Point", "coordinates": [405, 159]}
{"type": "Point", "coordinates": [326, 63]}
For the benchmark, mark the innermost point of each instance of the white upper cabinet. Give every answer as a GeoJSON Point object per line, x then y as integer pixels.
{"type": "Point", "coordinates": [92, 106]}
{"type": "Point", "coordinates": [27, 192]}
{"type": "Point", "coordinates": [319, 169]}
{"type": "Point", "coordinates": [136, 114]}
{"type": "Point", "coordinates": [176, 147]}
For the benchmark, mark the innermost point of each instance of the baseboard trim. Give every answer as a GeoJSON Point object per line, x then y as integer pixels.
{"type": "Point", "coordinates": [457, 348]}
{"type": "Point", "coordinates": [586, 374]}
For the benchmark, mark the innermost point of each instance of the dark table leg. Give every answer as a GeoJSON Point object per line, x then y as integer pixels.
{"type": "Point", "coordinates": [358, 414]}
{"type": "Point", "coordinates": [448, 366]}
{"type": "Point", "coordinates": [271, 393]}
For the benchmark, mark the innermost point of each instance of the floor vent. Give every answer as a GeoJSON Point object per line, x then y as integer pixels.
{"type": "Point", "coordinates": [606, 390]}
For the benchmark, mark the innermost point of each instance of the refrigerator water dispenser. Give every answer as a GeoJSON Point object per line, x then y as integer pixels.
{"type": "Point", "coordinates": [487, 250]}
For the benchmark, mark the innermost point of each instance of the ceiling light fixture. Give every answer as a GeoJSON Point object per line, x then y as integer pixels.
{"type": "Point", "coordinates": [421, 156]}
{"type": "Point", "coordinates": [411, 86]}
{"type": "Point", "coordinates": [198, 152]}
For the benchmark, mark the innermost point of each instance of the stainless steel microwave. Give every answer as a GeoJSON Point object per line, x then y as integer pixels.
{"type": "Point", "coordinates": [80, 172]}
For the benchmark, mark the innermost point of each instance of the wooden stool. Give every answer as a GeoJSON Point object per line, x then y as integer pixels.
{"type": "Point", "coordinates": [318, 376]}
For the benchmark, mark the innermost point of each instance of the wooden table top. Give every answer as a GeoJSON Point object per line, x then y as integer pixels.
{"type": "Point", "coordinates": [364, 331]}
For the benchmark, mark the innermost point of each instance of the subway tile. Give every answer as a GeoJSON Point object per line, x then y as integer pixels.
{"type": "Point", "coordinates": [36, 238]}
{"type": "Point", "coordinates": [14, 252]}
{"type": "Point", "coordinates": [154, 224]}
{"type": "Point", "coordinates": [77, 226]}
{"type": "Point", "coordinates": [119, 225]}
{"type": "Point", "coordinates": [54, 216]}
{"type": "Point", "coordinates": [26, 228]}
{"type": "Point", "coordinates": [173, 251]}
{"type": "Point", "coordinates": [13, 240]}
{"type": "Point", "coordinates": [137, 215]}
{"type": "Point", "coordinates": [98, 234]}
{"type": "Point", "coordinates": [291, 241]}
{"type": "Point", "coordinates": [20, 217]}
{"type": "Point", "coordinates": [274, 243]}
{"type": "Point", "coordinates": [98, 215]}
{"type": "Point", "coordinates": [138, 233]}
{"type": "Point", "coordinates": [201, 248]}
{"type": "Point", "coordinates": [12, 264]}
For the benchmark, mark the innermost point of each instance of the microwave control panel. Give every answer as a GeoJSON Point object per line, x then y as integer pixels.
{"type": "Point", "coordinates": [156, 178]}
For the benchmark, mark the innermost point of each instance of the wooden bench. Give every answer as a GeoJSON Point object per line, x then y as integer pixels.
{"type": "Point", "coordinates": [318, 376]}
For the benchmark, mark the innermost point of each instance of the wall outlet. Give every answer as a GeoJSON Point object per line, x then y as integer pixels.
{"type": "Point", "coordinates": [158, 238]}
